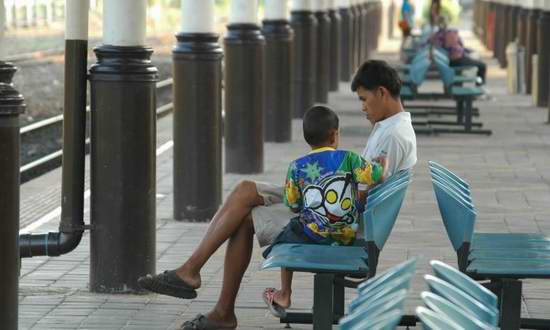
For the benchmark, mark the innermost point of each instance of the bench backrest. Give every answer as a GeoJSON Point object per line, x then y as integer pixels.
{"type": "Point", "coordinates": [407, 267]}
{"type": "Point", "coordinates": [386, 321]}
{"type": "Point", "coordinates": [458, 216]}
{"type": "Point", "coordinates": [464, 282]}
{"type": "Point", "coordinates": [435, 321]}
{"type": "Point", "coordinates": [463, 300]}
{"type": "Point", "coordinates": [402, 282]}
{"type": "Point", "coordinates": [435, 165]}
{"type": "Point", "coordinates": [380, 215]}
{"type": "Point", "coordinates": [372, 309]}
{"type": "Point", "coordinates": [462, 317]}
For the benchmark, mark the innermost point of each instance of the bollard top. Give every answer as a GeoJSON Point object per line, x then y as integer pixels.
{"type": "Point", "coordinates": [198, 16]}
{"type": "Point", "coordinates": [344, 3]}
{"type": "Point", "coordinates": [243, 12]}
{"type": "Point", "coordinates": [76, 20]}
{"type": "Point", "coordinates": [300, 5]}
{"type": "Point", "coordinates": [11, 101]}
{"type": "Point", "coordinates": [276, 10]}
{"type": "Point", "coordinates": [319, 5]}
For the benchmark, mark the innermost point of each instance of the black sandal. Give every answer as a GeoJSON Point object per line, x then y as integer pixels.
{"type": "Point", "coordinates": [201, 322]}
{"type": "Point", "coordinates": [167, 283]}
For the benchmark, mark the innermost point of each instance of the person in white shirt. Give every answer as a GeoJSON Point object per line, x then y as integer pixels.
{"type": "Point", "coordinates": [256, 208]}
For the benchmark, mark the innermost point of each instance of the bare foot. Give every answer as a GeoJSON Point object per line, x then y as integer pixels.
{"type": "Point", "coordinates": [282, 298]}
{"type": "Point", "coordinates": [192, 279]}
{"type": "Point", "coordinates": [221, 319]}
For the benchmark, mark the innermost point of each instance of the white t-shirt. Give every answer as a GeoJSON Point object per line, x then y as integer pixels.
{"type": "Point", "coordinates": [394, 138]}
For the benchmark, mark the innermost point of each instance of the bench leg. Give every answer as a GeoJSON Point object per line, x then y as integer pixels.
{"type": "Point", "coordinates": [510, 305]}
{"type": "Point", "coordinates": [468, 115]}
{"type": "Point", "coordinates": [323, 293]}
{"type": "Point", "coordinates": [459, 111]}
{"type": "Point", "coordinates": [339, 299]}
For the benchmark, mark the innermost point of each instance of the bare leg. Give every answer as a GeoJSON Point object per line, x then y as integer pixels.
{"type": "Point", "coordinates": [282, 297]}
{"type": "Point", "coordinates": [237, 259]}
{"type": "Point", "coordinates": [226, 222]}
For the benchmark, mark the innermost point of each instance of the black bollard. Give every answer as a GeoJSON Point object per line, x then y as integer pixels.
{"type": "Point", "coordinates": [357, 35]}
{"type": "Point", "coordinates": [335, 48]}
{"type": "Point", "coordinates": [278, 79]}
{"type": "Point", "coordinates": [11, 106]}
{"type": "Point", "coordinates": [365, 31]}
{"type": "Point", "coordinates": [530, 46]}
{"type": "Point", "coordinates": [323, 55]}
{"type": "Point", "coordinates": [499, 14]}
{"type": "Point", "coordinates": [304, 58]}
{"type": "Point", "coordinates": [346, 50]}
{"type": "Point", "coordinates": [197, 69]}
{"type": "Point", "coordinates": [244, 93]}
{"type": "Point", "coordinates": [123, 170]}
{"type": "Point", "coordinates": [544, 60]}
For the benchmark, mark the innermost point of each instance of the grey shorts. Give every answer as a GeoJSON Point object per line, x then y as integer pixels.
{"type": "Point", "coordinates": [270, 219]}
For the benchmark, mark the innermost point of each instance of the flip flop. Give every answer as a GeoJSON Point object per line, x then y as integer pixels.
{"type": "Point", "coordinates": [201, 322]}
{"type": "Point", "coordinates": [167, 283]}
{"type": "Point", "coordinates": [269, 299]}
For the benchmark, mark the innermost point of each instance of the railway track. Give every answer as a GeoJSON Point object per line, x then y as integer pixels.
{"type": "Point", "coordinates": [41, 142]}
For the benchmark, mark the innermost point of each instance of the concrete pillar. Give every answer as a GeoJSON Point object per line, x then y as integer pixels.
{"type": "Point", "coordinates": [278, 72]}
{"type": "Point", "coordinates": [123, 157]}
{"type": "Point", "coordinates": [346, 38]}
{"type": "Point", "coordinates": [304, 57]}
{"type": "Point", "coordinates": [11, 105]}
{"type": "Point", "coordinates": [323, 50]}
{"type": "Point", "coordinates": [244, 90]}
{"type": "Point", "coordinates": [197, 67]}
{"type": "Point", "coordinates": [499, 33]}
{"type": "Point", "coordinates": [335, 44]}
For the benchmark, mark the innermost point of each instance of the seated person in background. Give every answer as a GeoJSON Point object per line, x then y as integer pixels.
{"type": "Point", "coordinates": [450, 40]}
{"type": "Point", "coordinates": [322, 188]}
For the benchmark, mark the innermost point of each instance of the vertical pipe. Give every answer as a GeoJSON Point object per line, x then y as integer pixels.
{"type": "Point", "coordinates": [335, 45]}
{"type": "Point", "coordinates": [304, 57]}
{"type": "Point", "coordinates": [11, 105]}
{"type": "Point", "coordinates": [123, 173]}
{"type": "Point", "coordinates": [346, 35]}
{"type": "Point", "coordinates": [244, 90]}
{"type": "Point", "coordinates": [323, 50]}
{"type": "Point", "coordinates": [197, 67]}
{"type": "Point", "coordinates": [544, 58]}
{"type": "Point", "coordinates": [278, 72]}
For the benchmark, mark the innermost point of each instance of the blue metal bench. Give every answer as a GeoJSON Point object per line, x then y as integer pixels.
{"type": "Point", "coordinates": [331, 264]}
{"type": "Point", "coordinates": [378, 295]}
{"type": "Point", "coordinates": [459, 298]}
{"type": "Point", "coordinates": [502, 258]}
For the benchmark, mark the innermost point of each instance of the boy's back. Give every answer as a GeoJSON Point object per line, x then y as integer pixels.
{"type": "Point", "coordinates": [322, 187]}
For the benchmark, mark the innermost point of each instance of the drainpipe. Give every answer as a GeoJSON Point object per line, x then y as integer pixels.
{"type": "Point", "coordinates": [74, 127]}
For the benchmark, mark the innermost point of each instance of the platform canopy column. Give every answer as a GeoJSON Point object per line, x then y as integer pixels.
{"type": "Point", "coordinates": [123, 155]}
{"type": "Point", "coordinates": [335, 44]}
{"type": "Point", "coordinates": [543, 26]}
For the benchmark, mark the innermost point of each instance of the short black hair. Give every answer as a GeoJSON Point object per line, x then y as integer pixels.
{"type": "Point", "coordinates": [376, 73]}
{"type": "Point", "coordinates": [318, 122]}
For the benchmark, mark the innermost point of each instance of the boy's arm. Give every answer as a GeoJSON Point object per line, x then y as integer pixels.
{"type": "Point", "coordinates": [367, 173]}
{"type": "Point", "coordinates": [292, 193]}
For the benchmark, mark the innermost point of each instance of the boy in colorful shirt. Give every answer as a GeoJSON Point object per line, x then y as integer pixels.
{"type": "Point", "coordinates": [322, 187]}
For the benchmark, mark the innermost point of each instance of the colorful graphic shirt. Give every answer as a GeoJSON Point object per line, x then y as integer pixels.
{"type": "Point", "coordinates": [322, 186]}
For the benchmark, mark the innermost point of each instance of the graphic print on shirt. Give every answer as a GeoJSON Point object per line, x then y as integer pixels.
{"type": "Point", "coordinates": [322, 187]}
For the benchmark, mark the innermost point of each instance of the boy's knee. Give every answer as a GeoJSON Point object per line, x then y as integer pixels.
{"type": "Point", "coordinates": [247, 191]}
